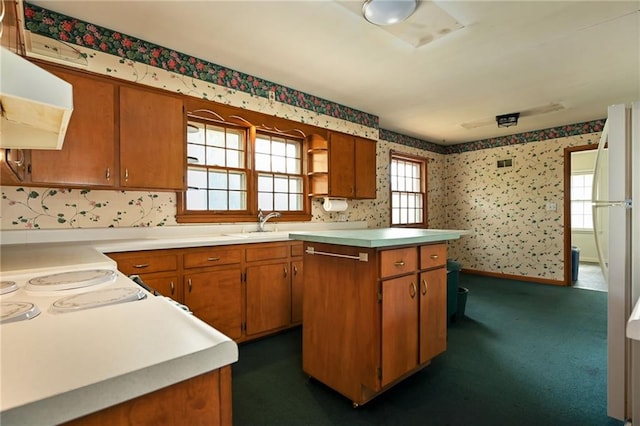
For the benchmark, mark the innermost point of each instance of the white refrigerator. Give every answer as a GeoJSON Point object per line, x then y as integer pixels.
{"type": "Point", "coordinates": [616, 216]}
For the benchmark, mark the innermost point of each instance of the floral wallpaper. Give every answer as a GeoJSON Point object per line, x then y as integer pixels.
{"type": "Point", "coordinates": [41, 208]}
{"type": "Point", "coordinates": [67, 29]}
{"type": "Point", "coordinates": [504, 209]}
{"type": "Point", "coordinates": [512, 232]}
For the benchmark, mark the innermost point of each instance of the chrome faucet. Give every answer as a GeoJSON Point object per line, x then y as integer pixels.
{"type": "Point", "coordinates": [262, 219]}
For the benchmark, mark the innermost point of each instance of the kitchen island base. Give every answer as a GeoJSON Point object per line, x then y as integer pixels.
{"type": "Point", "coordinates": [201, 400]}
{"type": "Point", "coordinates": [372, 316]}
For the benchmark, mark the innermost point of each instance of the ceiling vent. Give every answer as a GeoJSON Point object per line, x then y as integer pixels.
{"type": "Point", "coordinates": [553, 107]}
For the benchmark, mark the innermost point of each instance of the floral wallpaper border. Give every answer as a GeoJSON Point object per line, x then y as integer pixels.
{"type": "Point", "coordinates": [60, 27]}
{"type": "Point", "coordinates": [576, 129]}
{"type": "Point", "coordinates": [67, 29]}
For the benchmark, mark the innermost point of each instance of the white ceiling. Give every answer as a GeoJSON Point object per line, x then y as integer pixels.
{"type": "Point", "coordinates": [507, 57]}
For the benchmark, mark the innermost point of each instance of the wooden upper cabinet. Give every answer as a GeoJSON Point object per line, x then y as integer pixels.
{"type": "Point", "coordinates": [341, 166]}
{"type": "Point", "coordinates": [87, 156]}
{"type": "Point", "coordinates": [365, 168]}
{"type": "Point", "coordinates": [152, 140]}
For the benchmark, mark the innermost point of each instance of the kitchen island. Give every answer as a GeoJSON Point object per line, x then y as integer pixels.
{"type": "Point", "coordinates": [374, 306]}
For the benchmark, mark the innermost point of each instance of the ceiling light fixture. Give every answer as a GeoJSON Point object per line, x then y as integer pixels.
{"type": "Point", "coordinates": [388, 12]}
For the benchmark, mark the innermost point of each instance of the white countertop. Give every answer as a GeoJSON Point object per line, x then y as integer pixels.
{"type": "Point", "coordinates": [56, 367]}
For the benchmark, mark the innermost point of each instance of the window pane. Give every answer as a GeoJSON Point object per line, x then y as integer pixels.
{"type": "Point", "coordinates": [295, 185]}
{"type": "Point", "coordinates": [265, 201]}
{"type": "Point", "coordinates": [197, 178]}
{"type": "Point", "coordinates": [293, 166]}
{"type": "Point", "coordinates": [195, 133]}
{"type": "Point", "coordinates": [263, 162]}
{"type": "Point", "coordinates": [293, 150]}
{"type": "Point", "coordinates": [218, 180]}
{"type": "Point", "coordinates": [197, 154]}
{"type": "Point", "coordinates": [281, 184]}
{"type": "Point", "coordinates": [196, 199]}
{"type": "Point", "coordinates": [265, 183]}
{"type": "Point", "coordinates": [263, 145]}
{"type": "Point", "coordinates": [281, 201]}
{"type": "Point", "coordinates": [278, 164]}
{"type": "Point", "coordinates": [278, 147]}
{"type": "Point", "coordinates": [237, 200]}
{"type": "Point", "coordinates": [215, 136]}
{"type": "Point", "coordinates": [234, 159]}
{"type": "Point", "coordinates": [234, 140]}
{"type": "Point", "coordinates": [218, 200]}
{"type": "Point", "coordinates": [236, 181]}
{"type": "Point", "coordinates": [295, 202]}
{"type": "Point", "coordinates": [215, 157]}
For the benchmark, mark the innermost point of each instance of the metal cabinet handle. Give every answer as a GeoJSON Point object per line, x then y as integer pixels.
{"type": "Point", "coordinates": [126, 175]}
{"type": "Point", "coordinates": [213, 259]}
{"type": "Point", "coordinates": [295, 270]}
{"type": "Point", "coordinates": [141, 265]}
{"type": "Point", "coordinates": [189, 283]}
{"type": "Point", "coordinates": [173, 287]}
{"type": "Point", "coordinates": [434, 256]}
{"type": "Point", "coordinates": [412, 289]}
{"type": "Point", "coordinates": [285, 271]}
{"type": "Point", "coordinates": [108, 174]}
{"type": "Point", "coordinates": [399, 263]}
{"type": "Point", "coordinates": [424, 287]}
{"type": "Point", "coordinates": [20, 161]}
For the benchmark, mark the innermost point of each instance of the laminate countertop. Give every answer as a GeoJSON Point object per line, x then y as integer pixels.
{"type": "Point", "coordinates": [378, 238]}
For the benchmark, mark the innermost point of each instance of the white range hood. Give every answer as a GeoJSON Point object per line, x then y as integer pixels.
{"type": "Point", "coordinates": [36, 105]}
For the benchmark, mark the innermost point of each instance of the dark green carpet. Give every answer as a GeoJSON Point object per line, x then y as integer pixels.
{"type": "Point", "coordinates": [524, 354]}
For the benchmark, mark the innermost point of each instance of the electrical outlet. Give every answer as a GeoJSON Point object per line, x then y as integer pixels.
{"type": "Point", "coordinates": [272, 96]}
{"type": "Point", "coordinates": [552, 207]}
{"type": "Point", "coordinates": [342, 218]}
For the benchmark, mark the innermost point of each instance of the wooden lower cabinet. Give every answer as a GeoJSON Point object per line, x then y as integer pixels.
{"type": "Point", "coordinates": [245, 291]}
{"type": "Point", "coordinates": [370, 324]}
{"type": "Point", "coordinates": [201, 400]}
{"type": "Point", "coordinates": [215, 296]}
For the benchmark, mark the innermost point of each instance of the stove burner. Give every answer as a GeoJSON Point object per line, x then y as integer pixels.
{"type": "Point", "coordinates": [17, 311]}
{"type": "Point", "coordinates": [94, 299]}
{"type": "Point", "coordinates": [71, 280]}
{"type": "Point", "coordinates": [8, 287]}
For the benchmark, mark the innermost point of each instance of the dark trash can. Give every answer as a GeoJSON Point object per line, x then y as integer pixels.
{"type": "Point", "coordinates": [575, 262]}
{"type": "Point", "coordinates": [453, 280]}
{"type": "Point", "coordinates": [462, 301]}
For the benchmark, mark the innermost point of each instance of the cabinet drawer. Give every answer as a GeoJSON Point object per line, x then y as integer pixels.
{"type": "Point", "coordinates": [297, 249]}
{"type": "Point", "coordinates": [145, 263]}
{"type": "Point", "coordinates": [432, 256]}
{"type": "Point", "coordinates": [398, 261]}
{"type": "Point", "coordinates": [212, 257]}
{"type": "Point", "coordinates": [267, 252]}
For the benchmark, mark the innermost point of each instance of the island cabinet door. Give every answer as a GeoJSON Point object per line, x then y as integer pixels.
{"type": "Point", "coordinates": [215, 296]}
{"type": "Point", "coordinates": [399, 327]}
{"type": "Point", "coordinates": [268, 297]}
{"type": "Point", "coordinates": [433, 313]}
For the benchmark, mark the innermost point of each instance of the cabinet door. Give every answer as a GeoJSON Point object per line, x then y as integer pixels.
{"type": "Point", "coordinates": [268, 297]}
{"type": "Point", "coordinates": [87, 157]}
{"type": "Point", "coordinates": [433, 313]}
{"type": "Point", "coordinates": [13, 166]}
{"type": "Point", "coordinates": [341, 166]}
{"type": "Point", "coordinates": [399, 327]}
{"type": "Point", "coordinates": [365, 168]}
{"type": "Point", "coordinates": [152, 140]}
{"type": "Point", "coordinates": [296, 291]}
{"type": "Point", "coordinates": [166, 286]}
{"type": "Point", "coordinates": [215, 296]}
